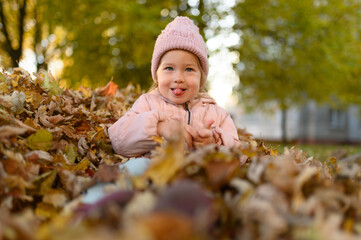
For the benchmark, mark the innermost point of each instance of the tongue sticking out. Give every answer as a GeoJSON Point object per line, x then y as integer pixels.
{"type": "Point", "coordinates": [177, 91]}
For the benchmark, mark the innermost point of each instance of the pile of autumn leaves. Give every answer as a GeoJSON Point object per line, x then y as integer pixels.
{"type": "Point", "coordinates": [54, 145]}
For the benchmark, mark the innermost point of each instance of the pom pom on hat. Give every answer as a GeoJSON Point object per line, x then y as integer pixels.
{"type": "Point", "coordinates": [181, 34]}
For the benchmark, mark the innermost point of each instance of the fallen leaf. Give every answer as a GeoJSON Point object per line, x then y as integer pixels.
{"type": "Point", "coordinates": [45, 210]}
{"type": "Point", "coordinates": [56, 119]}
{"type": "Point", "coordinates": [6, 132]}
{"type": "Point", "coordinates": [109, 89]}
{"type": "Point", "coordinates": [220, 173]}
{"type": "Point", "coordinates": [39, 155]}
{"type": "Point", "coordinates": [42, 140]}
{"type": "Point", "coordinates": [55, 197]}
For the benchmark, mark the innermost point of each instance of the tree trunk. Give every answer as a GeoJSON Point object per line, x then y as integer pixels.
{"type": "Point", "coordinates": [284, 124]}
{"type": "Point", "coordinates": [15, 54]}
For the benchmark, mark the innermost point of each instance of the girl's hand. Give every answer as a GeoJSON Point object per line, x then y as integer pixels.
{"type": "Point", "coordinates": [168, 129]}
{"type": "Point", "coordinates": [202, 137]}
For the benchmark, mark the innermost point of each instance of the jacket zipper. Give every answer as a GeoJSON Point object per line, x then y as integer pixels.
{"type": "Point", "coordinates": [189, 112]}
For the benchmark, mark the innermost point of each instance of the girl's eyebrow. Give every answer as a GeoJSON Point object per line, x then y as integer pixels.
{"type": "Point", "coordinates": [166, 63]}
{"type": "Point", "coordinates": [185, 64]}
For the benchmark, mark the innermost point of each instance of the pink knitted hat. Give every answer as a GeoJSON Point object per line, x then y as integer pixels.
{"type": "Point", "coordinates": [182, 34]}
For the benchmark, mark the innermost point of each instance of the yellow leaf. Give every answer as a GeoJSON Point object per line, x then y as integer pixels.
{"type": "Point", "coordinates": [333, 160]}
{"type": "Point", "coordinates": [348, 225]}
{"type": "Point", "coordinates": [274, 152]}
{"type": "Point", "coordinates": [33, 97]}
{"type": "Point", "coordinates": [4, 88]}
{"type": "Point", "coordinates": [45, 210]}
{"type": "Point", "coordinates": [30, 123]}
{"type": "Point", "coordinates": [87, 92]}
{"type": "Point", "coordinates": [71, 153]}
{"type": "Point", "coordinates": [14, 82]}
{"type": "Point", "coordinates": [42, 140]}
{"type": "Point", "coordinates": [165, 166]}
{"type": "Point", "coordinates": [82, 166]}
{"type": "Point", "coordinates": [48, 182]}
{"type": "Point", "coordinates": [56, 224]}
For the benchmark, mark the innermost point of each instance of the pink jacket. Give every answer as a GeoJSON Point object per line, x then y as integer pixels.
{"type": "Point", "coordinates": [131, 135]}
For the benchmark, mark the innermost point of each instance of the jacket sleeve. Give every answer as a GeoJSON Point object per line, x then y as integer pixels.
{"type": "Point", "coordinates": [131, 135]}
{"type": "Point", "coordinates": [227, 130]}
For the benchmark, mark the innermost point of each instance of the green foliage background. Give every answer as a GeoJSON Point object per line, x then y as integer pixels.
{"type": "Point", "coordinates": [293, 51]}
{"type": "Point", "coordinates": [96, 40]}
{"type": "Point", "coordinates": [289, 51]}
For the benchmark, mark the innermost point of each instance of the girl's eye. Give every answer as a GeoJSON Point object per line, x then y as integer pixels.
{"type": "Point", "coordinates": [189, 69]}
{"type": "Point", "coordinates": [169, 68]}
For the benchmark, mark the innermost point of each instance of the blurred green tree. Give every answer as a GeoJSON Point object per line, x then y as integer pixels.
{"type": "Point", "coordinates": [95, 40]}
{"type": "Point", "coordinates": [292, 51]}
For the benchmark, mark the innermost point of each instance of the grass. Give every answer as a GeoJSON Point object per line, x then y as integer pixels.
{"type": "Point", "coordinates": [321, 152]}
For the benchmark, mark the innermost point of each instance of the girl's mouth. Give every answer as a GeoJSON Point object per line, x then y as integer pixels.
{"type": "Point", "coordinates": [178, 91]}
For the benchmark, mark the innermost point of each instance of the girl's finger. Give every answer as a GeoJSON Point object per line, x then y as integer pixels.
{"type": "Point", "coordinates": [204, 133]}
{"type": "Point", "coordinates": [189, 140]}
{"type": "Point", "coordinates": [209, 123]}
{"type": "Point", "coordinates": [191, 131]}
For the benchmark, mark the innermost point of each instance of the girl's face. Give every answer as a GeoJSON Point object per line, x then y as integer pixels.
{"type": "Point", "coordinates": [179, 76]}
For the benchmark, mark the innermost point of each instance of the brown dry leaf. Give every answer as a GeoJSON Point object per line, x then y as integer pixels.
{"type": "Point", "coordinates": [265, 207]}
{"type": "Point", "coordinates": [17, 186]}
{"type": "Point", "coordinates": [74, 184]}
{"type": "Point", "coordinates": [18, 226]}
{"type": "Point", "coordinates": [69, 131]}
{"type": "Point", "coordinates": [220, 173]}
{"type": "Point", "coordinates": [107, 173]}
{"type": "Point", "coordinates": [6, 132]}
{"type": "Point", "coordinates": [164, 226]}
{"type": "Point", "coordinates": [55, 197]}
{"type": "Point", "coordinates": [38, 155]}
{"type": "Point", "coordinates": [56, 119]}
{"type": "Point", "coordinates": [82, 146]}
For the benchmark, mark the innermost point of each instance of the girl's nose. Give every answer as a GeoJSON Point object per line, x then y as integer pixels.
{"type": "Point", "coordinates": [178, 77]}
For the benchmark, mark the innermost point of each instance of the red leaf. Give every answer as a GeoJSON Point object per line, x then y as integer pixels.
{"type": "Point", "coordinates": [109, 89]}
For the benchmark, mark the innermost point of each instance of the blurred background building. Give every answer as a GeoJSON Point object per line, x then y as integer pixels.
{"type": "Point", "coordinates": [308, 124]}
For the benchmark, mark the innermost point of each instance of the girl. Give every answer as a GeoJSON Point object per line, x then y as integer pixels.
{"type": "Point", "coordinates": [179, 70]}
{"type": "Point", "coordinates": [176, 102]}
